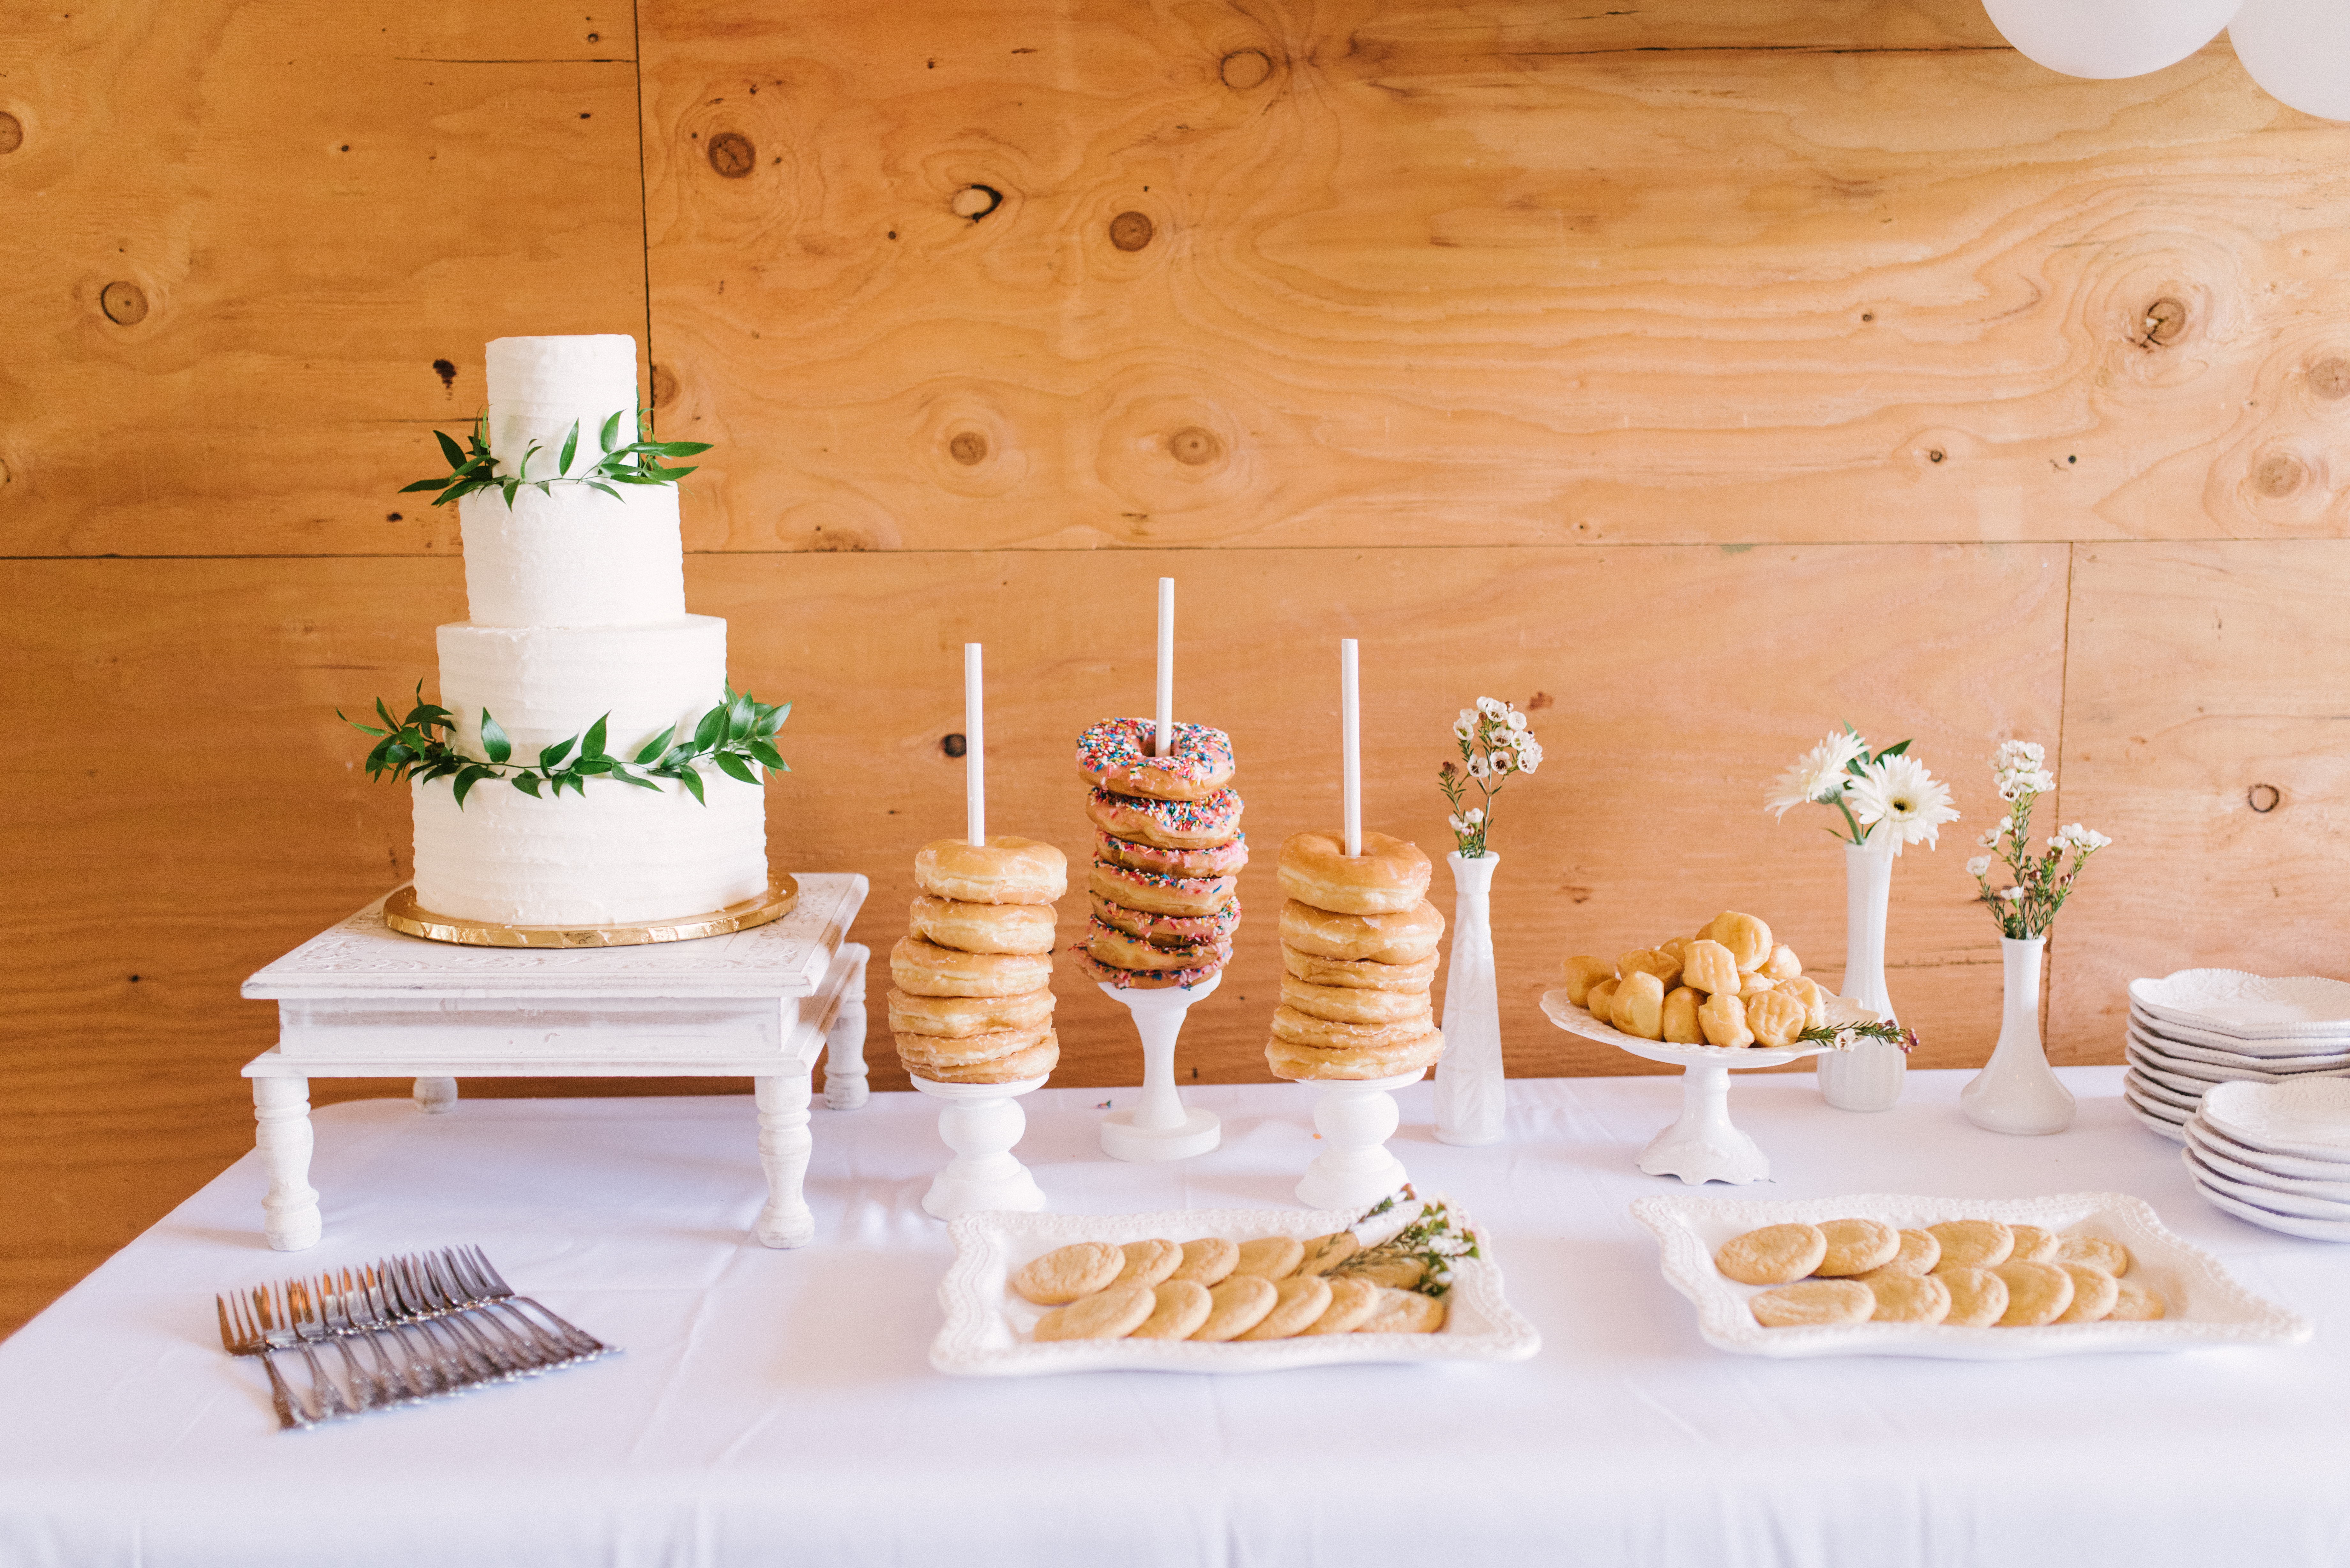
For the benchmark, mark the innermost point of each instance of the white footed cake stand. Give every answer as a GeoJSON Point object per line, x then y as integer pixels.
{"type": "Point", "coordinates": [1702, 1146]}
{"type": "Point", "coordinates": [980, 1122]}
{"type": "Point", "coordinates": [1163, 1127]}
{"type": "Point", "coordinates": [1356, 1116]}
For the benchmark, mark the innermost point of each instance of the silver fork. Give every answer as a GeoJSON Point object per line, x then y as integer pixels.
{"type": "Point", "coordinates": [450, 1367]}
{"type": "Point", "coordinates": [275, 1316]}
{"type": "Point", "coordinates": [474, 1269]}
{"type": "Point", "coordinates": [368, 1390]}
{"type": "Point", "coordinates": [536, 1349]}
{"type": "Point", "coordinates": [400, 1375]}
{"type": "Point", "coordinates": [240, 1337]}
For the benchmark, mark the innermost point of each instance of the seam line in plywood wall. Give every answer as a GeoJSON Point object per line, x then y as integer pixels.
{"type": "Point", "coordinates": [551, 61]}
{"type": "Point", "coordinates": [2063, 711]}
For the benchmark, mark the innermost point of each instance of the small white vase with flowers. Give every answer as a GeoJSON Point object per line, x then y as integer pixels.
{"type": "Point", "coordinates": [1496, 743]}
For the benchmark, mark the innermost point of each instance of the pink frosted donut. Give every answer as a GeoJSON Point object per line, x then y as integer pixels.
{"type": "Point", "coordinates": [1199, 824]}
{"type": "Point", "coordinates": [1115, 755]}
{"type": "Point", "coordinates": [1224, 859]}
{"type": "Point", "coordinates": [1132, 980]}
{"type": "Point", "coordinates": [1158, 895]}
{"type": "Point", "coordinates": [1168, 931]}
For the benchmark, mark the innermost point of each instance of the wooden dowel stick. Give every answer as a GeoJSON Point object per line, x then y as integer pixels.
{"type": "Point", "coordinates": [974, 744]}
{"type": "Point", "coordinates": [1350, 737]}
{"type": "Point", "coordinates": [1166, 743]}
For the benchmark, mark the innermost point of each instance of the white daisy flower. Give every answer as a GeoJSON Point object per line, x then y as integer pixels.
{"type": "Point", "coordinates": [1819, 778]}
{"type": "Point", "coordinates": [1898, 796]}
{"type": "Point", "coordinates": [1979, 867]}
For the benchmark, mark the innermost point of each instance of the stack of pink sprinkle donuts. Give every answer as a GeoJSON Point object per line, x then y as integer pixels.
{"type": "Point", "coordinates": [1168, 850]}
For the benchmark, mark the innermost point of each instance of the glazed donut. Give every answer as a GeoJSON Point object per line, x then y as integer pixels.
{"type": "Point", "coordinates": [1217, 861]}
{"type": "Point", "coordinates": [1327, 1035]}
{"type": "Point", "coordinates": [1114, 947]}
{"type": "Point", "coordinates": [1388, 877]}
{"type": "Point", "coordinates": [1005, 870]}
{"type": "Point", "coordinates": [1168, 931]}
{"type": "Point", "coordinates": [924, 1052]}
{"type": "Point", "coordinates": [1156, 893]}
{"type": "Point", "coordinates": [983, 928]}
{"type": "Point", "coordinates": [1115, 755]}
{"type": "Point", "coordinates": [1384, 939]}
{"type": "Point", "coordinates": [1143, 979]}
{"type": "Point", "coordinates": [1367, 974]}
{"type": "Point", "coordinates": [1347, 1005]}
{"type": "Point", "coordinates": [1304, 1063]}
{"type": "Point", "coordinates": [1168, 824]}
{"type": "Point", "coordinates": [925, 969]}
{"type": "Point", "coordinates": [1036, 1062]}
{"type": "Point", "coordinates": [959, 1017]}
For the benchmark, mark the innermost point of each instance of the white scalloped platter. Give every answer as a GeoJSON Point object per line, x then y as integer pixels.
{"type": "Point", "coordinates": [2307, 1118]}
{"type": "Point", "coordinates": [1577, 1020]}
{"type": "Point", "coordinates": [2273, 1056]}
{"type": "Point", "coordinates": [2206, 1306]}
{"type": "Point", "coordinates": [2248, 1006]}
{"type": "Point", "coordinates": [987, 1326]}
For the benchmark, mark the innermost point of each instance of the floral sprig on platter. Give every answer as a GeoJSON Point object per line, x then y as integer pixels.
{"type": "Point", "coordinates": [1845, 1037]}
{"type": "Point", "coordinates": [471, 467]}
{"type": "Point", "coordinates": [2040, 883]}
{"type": "Point", "coordinates": [1886, 795]}
{"type": "Point", "coordinates": [1429, 1241]}
{"type": "Point", "coordinates": [737, 737]}
{"type": "Point", "coordinates": [1495, 742]}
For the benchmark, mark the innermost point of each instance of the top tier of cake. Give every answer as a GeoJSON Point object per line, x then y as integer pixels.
{"type": "Point", "coordinates": [571, 557]}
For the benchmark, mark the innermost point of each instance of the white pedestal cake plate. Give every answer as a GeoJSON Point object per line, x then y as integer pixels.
{"type": "Point", "coordinates": [1702, 1146]}
{"type": "Point", "coordinates": [982, 1122]}
{"type": "Point", "coordinates": [1161, 1126]}
{"type": "Point", "coordinates": [1356, 1116]}
{"type": "Point", "coordinates": [361, 1001]}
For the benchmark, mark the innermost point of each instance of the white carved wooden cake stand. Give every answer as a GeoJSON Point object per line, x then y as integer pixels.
{"type": "Point", "coordinates": [361, 1001]}
{"type": "Point", "coordinates": [1702, 1146]}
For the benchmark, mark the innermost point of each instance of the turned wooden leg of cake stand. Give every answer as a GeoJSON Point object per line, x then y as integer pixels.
{"type": "Point", "coordinates": [784, 1146]}
{"type": "Point", "coordinates": [1356, 1118]}
{"type": "Point", "coordinates": [281, 1114]}
{"type": "Point", "coordinates": [844, 1041]}
{"type": "Point", "coordinates": [434, 1096]}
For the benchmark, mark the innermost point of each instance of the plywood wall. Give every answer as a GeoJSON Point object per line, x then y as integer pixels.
{"type": "Point", "coordinates": [1695, 376]}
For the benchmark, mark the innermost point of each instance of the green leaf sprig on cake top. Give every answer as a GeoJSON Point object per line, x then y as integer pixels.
{"type": "Point", "coordinates": [737, 737]}
{"type": "Point", "coordinates": [471, 467]}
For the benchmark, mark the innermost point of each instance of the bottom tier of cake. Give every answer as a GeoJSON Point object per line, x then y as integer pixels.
{"type": "Point", "coordinates": [614, 856]}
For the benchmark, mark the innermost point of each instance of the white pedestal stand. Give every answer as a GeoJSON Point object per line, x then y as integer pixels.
{"type": "Point", "coordinates": [1356, 1118]}
{"type": "Point", "coordinates": [1163, 1127]}
{"type": "Point", "coordinates": [361, 1001]}
{"type": "Point", "coordinates": [980, 1122]}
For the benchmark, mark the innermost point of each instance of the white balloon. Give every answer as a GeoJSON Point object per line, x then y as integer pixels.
{"type": "Point", "coordinates": [2109, 39]}
{"type": "Point", "coordinates": [2299, 50]}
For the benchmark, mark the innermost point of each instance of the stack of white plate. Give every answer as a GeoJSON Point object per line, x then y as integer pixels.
{"type": "Point", "coordinates": [2193, 1030]}
{"type": "Point", "coordinates": [2276, 1154]}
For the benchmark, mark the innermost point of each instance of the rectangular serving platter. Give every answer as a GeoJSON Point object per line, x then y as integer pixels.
{"type": "Point", "coordinates": [987, 1328]}
{"type": "Point", "coordinates": [2206, 1305]}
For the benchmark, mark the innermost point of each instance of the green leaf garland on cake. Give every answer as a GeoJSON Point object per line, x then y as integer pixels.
{"type": "Point", "coordinates": [473, 467]}
{"type": "Point", "coordinates": [737, 737]}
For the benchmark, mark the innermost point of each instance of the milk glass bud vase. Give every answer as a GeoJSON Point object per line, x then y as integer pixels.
{"type": "Point", "coordinates": [1469, 1097]}
{"type": "Point", "coordinates": [1868, 1076]}
{"type": "Point", "coordinates": [2018, 1092]}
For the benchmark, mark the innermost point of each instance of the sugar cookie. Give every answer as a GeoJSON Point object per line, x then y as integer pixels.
{"type": "Point", "coordinates": [2094, 1293]}
{"type": "Point", "coordinates": [1918, 1255]}
{"type": "Point", "coordinates": [1815, 1302]}
{"type": "Point", "coordinates": [1148, 1262]}
{"type": "Point", "coordinates": [1403, 1311]}
{"type": "Point", "coordinates": [2096, 1252]}
{"type": "Point", "coordinates": [1208, 1260]}
{"type": "Point", "coordinates": [2033, 1245]}
{"type": "Point", "coordinates": [1324, 1253]}
{"type": "Point", "coordinates": [1112, 1314]}
{"type": "Point", "coordinates": [1397, 1273]}
{"type": "Point", "coordinates": [1908, 1298]}
{"type": "Point", "coordinates": [1179, 1308]}
{"type": "Point", "coordinates": [1972, 1244]}
{"type": "Point", "coordinates": [1856, 1246]}
{"type": "Point", "coordinates": [1236, 1306]}
{"type": "Point", "coordinates": [1269, 1257]}
{"type": "Point", "coordinates": [2134, 1303]}
{"type": "Point", "coordinates": [1298, 1300]}
{"type": "Point", "coordinates": [1068, 1272]}
{"type": "Point", "coordinates": [1977, 1297]}
{"type": "Point", "coordinates": [2036, 1293]}
{"type": "Point", "coordinates": [1773, 1255]}
{"type": "Point", "coordinates": [1351, 1302]}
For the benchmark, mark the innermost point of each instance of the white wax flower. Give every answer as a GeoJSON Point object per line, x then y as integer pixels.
{"type": "Point", "coordinates": [1979, 867]}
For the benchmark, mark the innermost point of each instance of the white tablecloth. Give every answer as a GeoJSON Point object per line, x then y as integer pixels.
{"type": "Point", "coordinates": [777, 1407]}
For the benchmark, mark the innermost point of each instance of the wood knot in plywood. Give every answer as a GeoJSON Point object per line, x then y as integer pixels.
{"type": "Point", "coordinates": [2164, 320]}
{"type": "Point", "coordinates": [2264, 798]}
{"type": "Point", "coordinates": [731, 154]}
{"type": "Point", "coordinates": [664, 386]}
{"type": "Point", "coordinates": [125, 304]}
{"type": "Point", "coordinates": [954, 745]}
{"type": "Point", "coordinates": [1131, 231]}
{"type": "Point", "coordinates": [1193, 446]}
{"type": "Point", "coordinates": [1244, 69]}
{"type": "Point", "coordinates": [2278, 474]}
{"type": "Point", "coordinates": [2330, 378]}
{"type": "Point", "coordinates": [968, 447]}
{"type": "Point", "coordinates": [12, 132]}
{"type": "Point", "coordinates": [975, 202]}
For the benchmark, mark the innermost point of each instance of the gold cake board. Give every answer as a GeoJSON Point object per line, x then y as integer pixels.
{"type": "Point", "coordinates": [401, 912]}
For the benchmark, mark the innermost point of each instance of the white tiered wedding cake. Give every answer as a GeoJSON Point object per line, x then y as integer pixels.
{"type": "Point", "coordinates": [577, 600]}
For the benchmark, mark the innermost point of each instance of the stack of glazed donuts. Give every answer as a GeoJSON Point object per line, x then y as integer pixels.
{"type": "Point", "coordinates": [1168, 850]}
{"type": "Point", "coordinates": [1359, 948]}
{"type": "Point", "coordinates": [972, 1002]}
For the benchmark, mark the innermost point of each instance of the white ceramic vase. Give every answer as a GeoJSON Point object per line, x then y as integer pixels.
{"type": "Point", "coordinates": [1469, 1096]}
{"type": "Point", "coordinates": [1868, 1076]}
{"type": "Point", "coordinates": [2018, 1092]}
